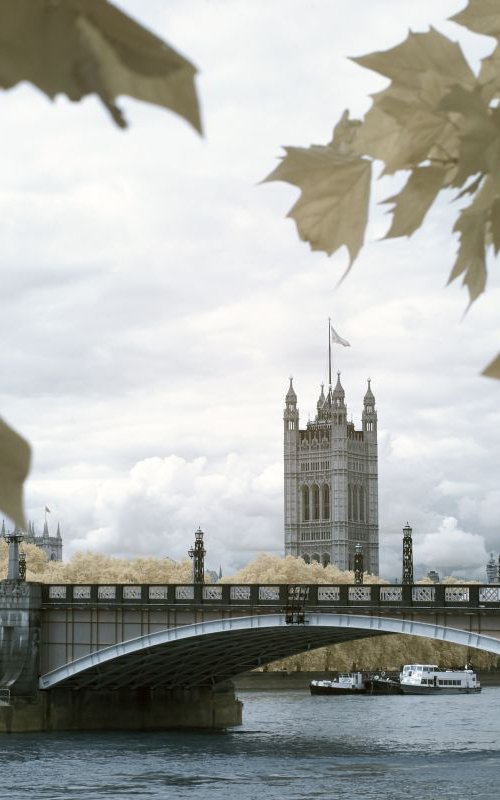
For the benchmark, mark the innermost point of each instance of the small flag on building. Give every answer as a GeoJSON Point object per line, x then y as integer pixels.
{"type": "Point", "coordinates": [47, 509]}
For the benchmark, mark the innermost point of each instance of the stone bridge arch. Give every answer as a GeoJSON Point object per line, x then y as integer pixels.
{"type": "Point", "coordinates": [207, 653]}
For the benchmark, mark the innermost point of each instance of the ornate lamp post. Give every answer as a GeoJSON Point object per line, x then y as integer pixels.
{"type": "Point", "coordinates": [13, 539]}
{"type": "Point", "coordinates": [358, 565]}
{"type": "Point", "coordinates": [198, 553]}
{"type": "Point", "coordinates": [407, 555]}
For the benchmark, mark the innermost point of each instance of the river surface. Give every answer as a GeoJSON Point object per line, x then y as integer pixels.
{"type": "Point", "coordinates": [291, 746]}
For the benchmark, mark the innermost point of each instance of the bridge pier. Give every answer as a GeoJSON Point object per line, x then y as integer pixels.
{"type": "Point", "coordinates": [20, 621]}
{"type": "Point", "coordinates": [123, 709]}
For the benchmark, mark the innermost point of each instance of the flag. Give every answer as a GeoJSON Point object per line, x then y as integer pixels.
{"type": "Point", "coordinates": [47, 510]}
{"type": "Point", "coordinates": [336, 339]}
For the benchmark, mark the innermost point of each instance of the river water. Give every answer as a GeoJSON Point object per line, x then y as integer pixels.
{"type": "Point", "coordinates": [291, 746]}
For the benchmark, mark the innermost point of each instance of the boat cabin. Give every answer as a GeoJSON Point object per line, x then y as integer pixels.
{"type": "Point", "coordinates": [432, 675]}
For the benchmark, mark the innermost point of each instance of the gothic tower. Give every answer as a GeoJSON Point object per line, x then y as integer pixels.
{"type": "Point", "coordinates": [331, 482]}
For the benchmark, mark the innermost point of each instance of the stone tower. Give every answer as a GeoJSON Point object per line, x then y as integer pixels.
{"type": "Point", "coordinates": [52, 545]}
{"type": "Point", "coordinates": [331, 481]}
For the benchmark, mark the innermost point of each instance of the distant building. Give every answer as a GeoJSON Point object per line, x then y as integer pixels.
{"type": "Point", "coordinates": [331, 482]}
{"type": "Point", "coordinates": [433, 576]}
{"type": "Point", "coordinates": [493, 570]}
{"type": "Point", "coordinates": [51, 545]}
{"type": "Point", "coordinates": [211, 576]}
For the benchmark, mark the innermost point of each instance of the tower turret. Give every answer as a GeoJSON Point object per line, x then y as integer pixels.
{"type": "Point", "coordinates": [290, 451]}
{"type": "Point", "coordinates": [337, 401]}
{"type": "Point", "coordinates": [321, 398]}
{"type": "Point", "coordinates": [291, 413]}
{"type": "Point", "coordinates": [369, 416]}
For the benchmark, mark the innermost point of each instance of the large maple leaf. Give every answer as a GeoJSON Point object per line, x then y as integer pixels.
{"type": "Point", "coordinates": [15, 456]}
{"type": "Point", "coordinates": [333, 207]}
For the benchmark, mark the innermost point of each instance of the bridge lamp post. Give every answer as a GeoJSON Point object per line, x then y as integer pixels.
{"type": "Point", "coordinates": [358, 565]}
{"type": "Point", "coordinates": [407, 555]}
{"type": "Point", "coordinates": [198, 553]}
{"type": "Point", "coordinates": [13, 539]}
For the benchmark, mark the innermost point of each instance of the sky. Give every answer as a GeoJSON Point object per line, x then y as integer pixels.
{"type": "Point", "coordinates": [155, 300]}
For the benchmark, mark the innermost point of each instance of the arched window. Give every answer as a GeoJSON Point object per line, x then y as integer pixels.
{"type": "Point", "coordinates": [326, 501]}
{"type": "Point", "coordinates": [305, 504]}
{"type": "Point", "coordinates": [361, 504]}
{"type": "Point", "coordinates": [355, 503]}
{"type": "Point", "coordinates": [315, 557]}
{"type": "Point", "coordinates": [315, 501]}
{"type": "Point", "coordinates": [306, 558]}
{"type": "Point", "coordinates": [349, 502]}
{"type": "Point", "coordinates": [325, 559]}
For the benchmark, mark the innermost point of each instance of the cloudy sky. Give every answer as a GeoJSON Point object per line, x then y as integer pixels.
{"type": "Point", "coordinates": [154, 301]}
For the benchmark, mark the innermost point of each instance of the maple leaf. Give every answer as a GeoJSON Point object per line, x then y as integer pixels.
{"type": "Point", "coordinates": [15, 458]}
{"type": "Point", "coordinates": [414, 200]}
{"type": "Point", "coordinates": [480, 16]}
{"type": "Point", "coordinates": [478, 133]}
{"type": "Point", "coordinates": [332, 210]}
{"type": "Point", "coordinates": [471, 256]}
{"type": "Point", "coordinates": [79, 47]}
{"type": "Point", "coordinates": [495, 224]}
{"type": "Point", "coordinates": [420, 53]}
{"type": "Point", "coordinates": [493, 369]}
{"type": "Point", "coordinates": [404, 126]}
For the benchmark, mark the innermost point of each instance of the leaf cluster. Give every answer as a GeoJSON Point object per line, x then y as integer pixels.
{"type": "Point", "coordinates": [438, 122]}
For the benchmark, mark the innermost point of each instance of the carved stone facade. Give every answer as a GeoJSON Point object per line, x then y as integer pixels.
{"type": "Point", "coordinates": [331, 482]}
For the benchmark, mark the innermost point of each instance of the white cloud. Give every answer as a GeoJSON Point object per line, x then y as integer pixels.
{"type": "Point", "coordinates": [451, 550]}
{"type": "Point", "coordinates": [160, 504]}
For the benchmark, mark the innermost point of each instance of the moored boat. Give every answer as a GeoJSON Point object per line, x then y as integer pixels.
{"type": "Point", "coordinates": [429, 679]}
{"type": "Point", "coordinates": [383, 684]}
{"type": "Point", "coordinates": [346, 683]}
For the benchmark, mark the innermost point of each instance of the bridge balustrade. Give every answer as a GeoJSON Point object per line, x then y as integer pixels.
{"type": "Point", "coordinates": [275, 595]}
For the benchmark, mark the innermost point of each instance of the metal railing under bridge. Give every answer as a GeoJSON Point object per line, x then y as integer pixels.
{"type": "Point", "coordinates": [319, 596]}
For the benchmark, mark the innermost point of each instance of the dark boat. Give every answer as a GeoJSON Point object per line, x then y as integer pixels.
{"type": "Point", "coordinates": [383, 684]}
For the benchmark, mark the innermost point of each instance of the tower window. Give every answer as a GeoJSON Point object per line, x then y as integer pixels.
{"type": "Point", "coordinates": [361, 504]}
{"type": "Point", "coordinates": [315, 501]}
{"type": "Point", "coordinates": [326, 501]}
{"type": "Point", "coordinates": [305, 504]}
{"type": "Point", "coordinates": [355, 503]}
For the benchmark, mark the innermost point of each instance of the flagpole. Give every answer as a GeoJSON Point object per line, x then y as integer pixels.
{"type": "Point", "coordinates": [329, 354]}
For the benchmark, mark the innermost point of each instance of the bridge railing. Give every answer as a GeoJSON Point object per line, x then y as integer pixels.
{"type": "Point", "coordinates": [319, 595]}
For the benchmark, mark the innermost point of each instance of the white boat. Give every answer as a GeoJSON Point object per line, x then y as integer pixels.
{"type": "Point", "coordinates": [346, 683]}
{"type": "Point", "coordinates": [430, 679]}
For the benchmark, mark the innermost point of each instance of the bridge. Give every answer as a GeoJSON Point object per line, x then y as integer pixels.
{"type": "Point", "coordinates": [176, 641]}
